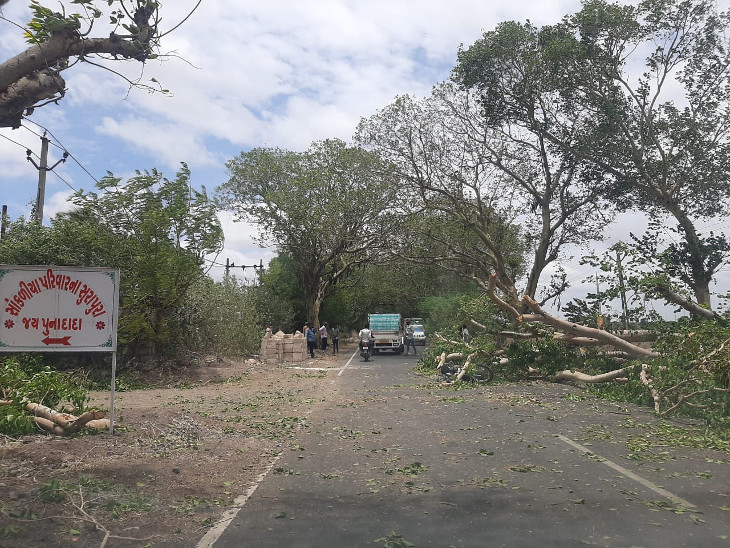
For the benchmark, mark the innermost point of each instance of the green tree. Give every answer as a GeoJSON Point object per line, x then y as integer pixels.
{"type": "Point", "coordinates": [155, 230]}
{"type": "Point", "coordinates": [661, 135]}
{"type": "Point", "coordinates": [328, 208]}
{"type": "Point", "coordinates": [224, 318]}
{"type": "Point", "coordinates": [484, 187]}
{"type": "Point", "coordinates": [58, 40]}
{"type": "Point", "coordinates": [281, 296]}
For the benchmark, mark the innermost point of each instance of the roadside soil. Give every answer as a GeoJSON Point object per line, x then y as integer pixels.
{"type": "Point", "coordinates": [182, 452]}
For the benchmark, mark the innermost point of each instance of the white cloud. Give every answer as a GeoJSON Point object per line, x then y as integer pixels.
{"type": "Point", "coordinates": [57, 202]}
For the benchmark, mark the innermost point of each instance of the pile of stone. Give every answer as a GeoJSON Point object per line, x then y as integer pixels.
{"type": "Point", "coordinates": [283, 347]}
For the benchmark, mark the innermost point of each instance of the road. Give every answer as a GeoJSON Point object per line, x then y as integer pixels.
{"type": "Point", "coordinates": [391, 459]}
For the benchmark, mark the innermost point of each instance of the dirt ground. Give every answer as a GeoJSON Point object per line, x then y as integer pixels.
{"type": "Point", "coordinates": [181, 454]}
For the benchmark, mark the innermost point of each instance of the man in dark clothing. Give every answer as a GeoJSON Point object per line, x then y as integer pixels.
{"type": "Point", "coordinates": [311, 339]}
{"type": "Point", "coordinates": [335, 334]}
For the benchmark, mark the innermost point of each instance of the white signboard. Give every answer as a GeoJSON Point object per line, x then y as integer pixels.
{"type": "Point", "coordinates": [57, 308]}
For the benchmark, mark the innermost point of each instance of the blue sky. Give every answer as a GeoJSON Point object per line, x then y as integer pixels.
{"type": "Point", "coordinates": [243, 74]}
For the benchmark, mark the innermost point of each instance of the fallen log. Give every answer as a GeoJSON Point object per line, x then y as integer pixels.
{"type": "Point", "coordinates": [63, 424]}
{"type": "Point", "coordinates": [577, 330]}
{"type": "Point", "coordinates": [569, 375]}
{"type": "Point", "coordinates": [100, 424]}
{"type": "Point", "coordinates": [49, 426]}
{"type": "Point", "coordinates": [61, 419]}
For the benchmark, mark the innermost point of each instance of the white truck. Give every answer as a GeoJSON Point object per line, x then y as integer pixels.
{"type": "Point", "coordinates": [387, 332]}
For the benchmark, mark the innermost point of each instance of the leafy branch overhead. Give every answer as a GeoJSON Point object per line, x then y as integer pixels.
{"type": "Point", "coordinates": [33, 78]}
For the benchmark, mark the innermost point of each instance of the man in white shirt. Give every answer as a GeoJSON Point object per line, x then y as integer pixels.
{"type": "Point", "coordinates": [365, 334]}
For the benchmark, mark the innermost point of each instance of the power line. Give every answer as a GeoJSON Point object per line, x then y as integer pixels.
{"type": "Point", "coordinates": [14, 142]}
{"type": "Point", "coordinates": [63, 148]}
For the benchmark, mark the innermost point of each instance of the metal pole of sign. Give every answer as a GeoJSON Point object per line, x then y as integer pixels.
{"type": "Point", "coordinates": [114, 382]}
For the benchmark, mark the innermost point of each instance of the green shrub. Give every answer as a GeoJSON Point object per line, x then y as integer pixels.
{"type": "Point", "coordinates": [24, 378]}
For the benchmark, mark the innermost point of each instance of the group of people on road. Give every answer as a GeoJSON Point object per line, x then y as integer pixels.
{"type": "Point", "coordinates": [325, 334]}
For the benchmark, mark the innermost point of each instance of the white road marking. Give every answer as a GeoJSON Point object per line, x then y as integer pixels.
{"type": "Point", "coordinates": [217, 530]}
{"type": "Point", "coordinates": [349, 362]}
{"type": "Point", "coordinates": [629, 474]}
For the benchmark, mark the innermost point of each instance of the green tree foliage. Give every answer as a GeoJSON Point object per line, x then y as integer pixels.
{"type": "Point", "coordinates": [225, 318]}
{"type": "Point", "coordinates": [24, 378]}
{"type": "Point", "coordinates": [282, 296]}
{"type": "Point", "coordinates": [661, 136]}
{"type": "Point", "coordinates": [514, 196]}
{"type": "Point", "coordinates": [155, 230]}
{"type": "Point", "coordinates": [327, 208]}
{"type": "Point", "coordinates": [622, 275]}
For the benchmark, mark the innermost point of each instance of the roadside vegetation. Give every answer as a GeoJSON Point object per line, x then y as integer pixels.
{"type": "Point", "coordinates": [459, 207]}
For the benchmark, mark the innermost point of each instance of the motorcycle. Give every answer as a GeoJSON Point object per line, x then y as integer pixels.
{"type": "Point", "coordinates": [476, 373]}
{"type": "Point", "coordinates": [365, 350]}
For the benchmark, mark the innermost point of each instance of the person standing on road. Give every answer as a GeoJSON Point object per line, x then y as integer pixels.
{"type": "Point", "coordinates": [311, 339]}
{"type": "Point", "coordinates": [335, 333]}
{"type": "Point", "coordinates": [410, 342]}
{"type": "Point", "coordinates": [323, 335]}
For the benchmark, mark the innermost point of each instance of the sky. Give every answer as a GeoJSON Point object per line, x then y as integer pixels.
{"type": "Point", "coordinates": [245, 74]}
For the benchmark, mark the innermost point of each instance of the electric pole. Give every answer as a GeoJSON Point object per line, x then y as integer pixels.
{"type": "Point", "coordinates": [622, 289]}
{"type": "Point", "coordinates": [43, 169]}
{"type": "Point", "coordinates": [4, 221]}
{"type": "Point", "coordinates": [258, 268]}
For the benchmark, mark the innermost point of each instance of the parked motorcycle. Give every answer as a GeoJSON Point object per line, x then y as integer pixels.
{"type": "Point", "coordinates": [365, 350]}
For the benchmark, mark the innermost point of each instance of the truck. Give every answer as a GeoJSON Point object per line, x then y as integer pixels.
{"type": "Point", "coordinates": [387, 332]}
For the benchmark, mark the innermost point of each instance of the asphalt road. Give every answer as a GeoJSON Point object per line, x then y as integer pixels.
{"type": "Point", "coordinates": [391, 459]}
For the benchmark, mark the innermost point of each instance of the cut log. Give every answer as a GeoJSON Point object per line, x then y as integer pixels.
{"type": "Point", "coordinates": [62, 424]}
{"type": "Point", "coordinates": [569, 375]}
{"type": "Point", "coordinates": [49, 426]}
{"type": "Point", "coordinates": [100, 424]}
{"type": "Point", "coordinates": [61, 419]}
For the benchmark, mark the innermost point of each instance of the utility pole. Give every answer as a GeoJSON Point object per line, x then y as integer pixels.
{"type": "Point", "coordinates": [43, 169]}
{"type": "Point", "coordinates": [4, 221]}
{"type": "Point", "coordinates": [622, 289]}
{"type": "Point", "coordinates": [258, 268]}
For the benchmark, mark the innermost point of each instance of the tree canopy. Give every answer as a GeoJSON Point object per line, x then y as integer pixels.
{"type": "Point", "coordinates": [662, 136]}
{"type": "Point", "coordinates": [518, 201]}
{"type": "Point", "coordinates": [328, 208]}
{"type": "Point", "coordinates": [155, 230]}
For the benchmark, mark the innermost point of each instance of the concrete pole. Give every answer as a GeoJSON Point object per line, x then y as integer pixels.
{"type": "Point", "coordinates": [42, 171]}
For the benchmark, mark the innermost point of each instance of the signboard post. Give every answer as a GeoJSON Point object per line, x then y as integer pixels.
{"type": "Point", "coordinates": [60, 309]}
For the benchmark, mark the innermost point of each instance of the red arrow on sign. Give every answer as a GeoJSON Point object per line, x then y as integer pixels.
{"type": "Point", "coordinates": [62, 340]}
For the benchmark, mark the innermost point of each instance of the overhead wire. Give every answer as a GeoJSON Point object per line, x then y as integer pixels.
{"type": "Point", "coordinates": [56, 142]}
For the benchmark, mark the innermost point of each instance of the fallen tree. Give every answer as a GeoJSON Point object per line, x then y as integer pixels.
{"type": "Point", "coordinates": [569, 331]}
{"type": "Point", "coordinates": [684, 372]}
